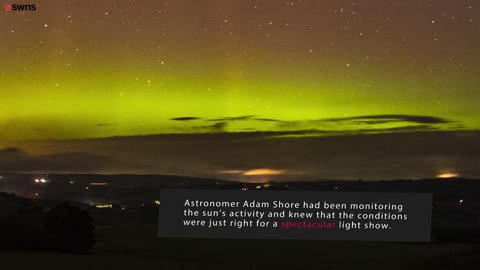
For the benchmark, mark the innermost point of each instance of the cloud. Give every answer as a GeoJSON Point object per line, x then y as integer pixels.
{"type": "Point", "coordinates": [185, 118]}
{"type": "Point", "coordinates": [11, 150]}
{"type": "Point", "coordinates": [390, 118]}
{"type": "Point", "coordinates": [373, 122]}
{"type": "Point", "coordinates": [268, 120]}
{"type": "Point", "coordinates": [218, 127]}
{"type": "Point", "coordinates": [364, 124]}
{"type": "Point", "coordinates": [327, 126]}
{"type": "Point", "coordinates": [244, 118]}
{"type": "Point", "coordinates": [15, 159]}
{"type": "Point", "coordinates": [236, 118]}
{"type": "Point", "coordinates": [215, 128]}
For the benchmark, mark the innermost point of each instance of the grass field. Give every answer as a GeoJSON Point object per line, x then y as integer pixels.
{"type": "Point", "coordinates": [134, 246]}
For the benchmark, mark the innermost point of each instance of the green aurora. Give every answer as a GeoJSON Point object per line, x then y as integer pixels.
{"type": "Point", "coordinates": [128, 69]}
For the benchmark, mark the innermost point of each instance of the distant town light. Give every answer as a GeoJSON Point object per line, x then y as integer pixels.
{"type": "Point", "coordinates": [157, 202]}
{"type": "Point", "coordinates": [460, 201]}
{"type": "Point", "coordinates": [41, 180]}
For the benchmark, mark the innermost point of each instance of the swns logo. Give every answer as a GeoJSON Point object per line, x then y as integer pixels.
{"type": "Point", "coordinates": [20, 7]}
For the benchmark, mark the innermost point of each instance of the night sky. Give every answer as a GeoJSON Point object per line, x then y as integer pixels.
{"type": "Point", "coordinates": [377, 89]}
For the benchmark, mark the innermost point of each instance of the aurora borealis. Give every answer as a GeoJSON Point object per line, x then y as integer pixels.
{"type": "Point", "coordinates": [254, 70]}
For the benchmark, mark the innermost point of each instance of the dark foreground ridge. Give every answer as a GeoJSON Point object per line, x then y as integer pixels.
{"type": "Point", "coordinates": [114, 218]}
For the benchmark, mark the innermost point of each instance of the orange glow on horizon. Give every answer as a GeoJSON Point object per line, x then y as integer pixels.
{"type": "Point", "coordinates": [98, 184]}
{"type": "Point", "coordinates": [448, 175]}
{"type": "Point", "coordinates": [264, 172]}
{"type": "Point", "coordinates": [104, 206]}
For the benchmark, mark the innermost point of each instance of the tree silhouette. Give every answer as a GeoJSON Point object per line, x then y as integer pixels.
{"type": "Point", "coordinates": [70, 228]}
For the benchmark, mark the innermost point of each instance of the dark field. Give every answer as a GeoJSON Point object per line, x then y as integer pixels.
{"type": "Point", "coordinates": [135, 246]}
